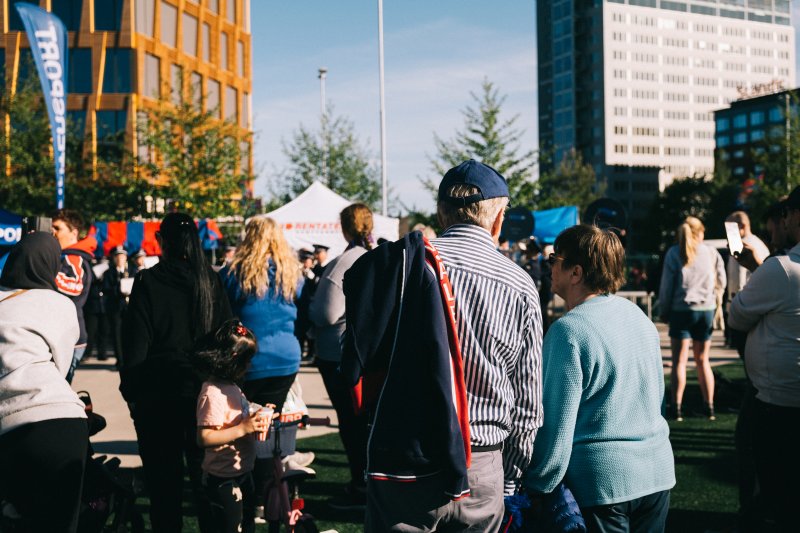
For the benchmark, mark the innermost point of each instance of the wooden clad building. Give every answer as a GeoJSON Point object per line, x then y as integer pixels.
{"type": "Point", "coordinates": [126, 54]}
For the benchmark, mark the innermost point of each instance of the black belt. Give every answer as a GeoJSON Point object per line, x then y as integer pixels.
{"type": "Point", "coordinates": [489, 448]}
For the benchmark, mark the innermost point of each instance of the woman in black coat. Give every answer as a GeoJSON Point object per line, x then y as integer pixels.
{"type": "Point", "coordinates": [171, 306]}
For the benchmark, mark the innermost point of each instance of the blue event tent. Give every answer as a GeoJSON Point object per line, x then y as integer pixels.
{"type": "Point", "coordinates": [551, 222]}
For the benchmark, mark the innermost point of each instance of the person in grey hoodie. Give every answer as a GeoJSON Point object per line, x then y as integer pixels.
{"type": "Point", "coordinates": [693, 274]}
{"type": "Point", "coordinates": [43, 429]}
{"type": "Point", "coordinates": [327, 313]}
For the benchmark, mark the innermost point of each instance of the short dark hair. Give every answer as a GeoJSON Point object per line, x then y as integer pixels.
{"type": "Point", "coordinates": [225, 353]}
{"type": "Point", "coordinates": [72, 218]}
{"type": "Point", "coordinates": [598, 251]}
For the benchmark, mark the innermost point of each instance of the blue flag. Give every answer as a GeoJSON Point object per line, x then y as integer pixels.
{"type": "Point", "coordinates": [48, 38]}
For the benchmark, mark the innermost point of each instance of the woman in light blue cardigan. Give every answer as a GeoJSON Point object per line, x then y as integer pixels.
{"type": "Point", "coordinates": [603, 433]}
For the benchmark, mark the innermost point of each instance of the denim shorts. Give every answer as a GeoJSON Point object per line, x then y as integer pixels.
{"type": "Point", "coordinates": [695, 325]}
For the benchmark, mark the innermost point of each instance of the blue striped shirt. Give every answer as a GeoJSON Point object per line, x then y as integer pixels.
{"type": "Point", "coordinates": [500, 329]}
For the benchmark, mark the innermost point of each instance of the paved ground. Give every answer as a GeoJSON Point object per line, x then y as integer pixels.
{"type": "Point", "coordinates": [102, 381]}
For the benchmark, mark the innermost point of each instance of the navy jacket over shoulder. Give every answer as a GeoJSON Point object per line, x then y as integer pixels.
{"type": "Point", "coordinates": [396, 340]}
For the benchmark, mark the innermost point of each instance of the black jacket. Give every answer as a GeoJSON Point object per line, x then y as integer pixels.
{"type": "Point", "coordinates": [75, 278]}
{"type": "Point", "coordinates": [158, 332]}
{"type": "Point", "coordinates": [397, 339]}
{"type": "Point", "coordinates": [113, 299]}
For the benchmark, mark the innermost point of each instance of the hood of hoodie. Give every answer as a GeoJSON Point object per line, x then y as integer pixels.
{"type": "Point", "coordinates": [173, 272]}
{"type": "Point", "coordinates": [84, 247]}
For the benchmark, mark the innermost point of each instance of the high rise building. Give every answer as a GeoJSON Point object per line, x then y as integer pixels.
{"type": "Point", "coordinates": [125, 55]}
{"type": "Point", "coordinates": [633, 84]}
{"type": "Point", "coordinates": [755, 129]}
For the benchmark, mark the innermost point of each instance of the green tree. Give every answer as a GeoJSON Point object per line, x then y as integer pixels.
{"type": "Point", "coordinates": [347, 168]}
{"type": "Point", "coordinates": [572, 182]}
{"type": "Point", "coordinates": [709, 200]}
{"type": "Point", "coordinates": [778, 156]}
{"type": "Point", "coordinates": [26, 164]}
{"type": "Point", "coordinates": [193, 159]}
{"type": "Point", "coordinates": [491, 139]}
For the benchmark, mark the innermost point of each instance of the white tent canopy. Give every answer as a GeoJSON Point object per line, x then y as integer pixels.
{"type": "Point", "coordinates": [313, 218]}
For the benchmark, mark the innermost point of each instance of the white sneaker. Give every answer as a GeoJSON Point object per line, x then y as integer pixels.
{"type": "Point", "coordinates": [300, 458]}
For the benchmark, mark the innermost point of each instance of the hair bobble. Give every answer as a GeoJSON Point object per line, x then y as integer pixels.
{"type": "Point", "coordinates": [241, 330]}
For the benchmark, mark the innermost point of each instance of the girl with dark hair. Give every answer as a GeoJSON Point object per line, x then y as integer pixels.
{"type": "Point", "coordinates": [43, 429]}
{"type": "Point", "coordinates": [171, 306]}
{"type": "Point", "coordinates": [327, 313]}
{"type": "Point", "coordinates": [225, 426]}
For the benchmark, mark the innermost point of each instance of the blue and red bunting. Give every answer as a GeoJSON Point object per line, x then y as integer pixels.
{"type": "Point", "coordinates": [135, 236]}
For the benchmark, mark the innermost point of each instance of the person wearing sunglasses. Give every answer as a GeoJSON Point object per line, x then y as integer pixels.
{"type": "Point", "coordinates": [603, 433]}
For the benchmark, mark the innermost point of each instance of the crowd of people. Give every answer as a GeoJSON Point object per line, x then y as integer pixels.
{"type": "Point", "coordinates": [456, 398]}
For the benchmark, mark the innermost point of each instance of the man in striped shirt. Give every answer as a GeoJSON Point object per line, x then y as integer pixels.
{"type": "Point", "coordinates": [499, 326]}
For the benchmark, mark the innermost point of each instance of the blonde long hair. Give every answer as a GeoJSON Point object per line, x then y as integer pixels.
{"type": "Point", "coordinates": [263, 240]}
{"type": "Point", "coordinates": [689, 238]}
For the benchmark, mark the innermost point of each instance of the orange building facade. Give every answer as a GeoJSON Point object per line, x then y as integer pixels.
{"type": "Point", "coordinates": [125, 55]}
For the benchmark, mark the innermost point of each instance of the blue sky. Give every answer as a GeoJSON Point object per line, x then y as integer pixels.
{"type": "Point", "coordinates": [436, 53]}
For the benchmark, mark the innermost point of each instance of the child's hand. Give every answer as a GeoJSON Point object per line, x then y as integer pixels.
{"type": "Point", "coordinates": [254, 424]}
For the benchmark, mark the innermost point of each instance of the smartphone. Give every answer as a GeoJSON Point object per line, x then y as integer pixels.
{"type": "Point", "coordinates": [735, 244]}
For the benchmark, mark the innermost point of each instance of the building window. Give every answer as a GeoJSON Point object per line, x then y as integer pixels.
{"type": "Point", "coordinates": [176, 75]}
{"type": "Point", "coordinates": [196, 87]}
{"type": "Point", "coordinates": [69, 11]}
{"type": "Point", "coordinates": [756, 135]}
{"type": "Point", "coordinates": [244, 120]}
{"type": "Point", "coordinates": [244, 151]}
{"type": "Point", "coordinates": [110, 133]}
{"type": "Point", "coordinates": [223, 51]}
{"type": "Point", "coordinates": [775, 115]}
{"type": "Point", "coordinates": [76, 122]}
{"type": "Point", "coordinates": [107, 15]}
{"type": "Point", "coordinates": [240, 58]}
{"type": "Point", "coordinates": [740, 121]}
{"type": "Point", "coordinates": [621, 185]}
{"type": "Point", "coordinates": [14, 22]}
{"type": "Point", "coordinates": [756, 118]}
{"type": "Point", "coordinates": [169, 24]}
{"type": "Point", "coordinates": [117, 74]}
{"type": "Point", "coordinates": [230, 11]}
{"type": "Point", "coordinates": [152, 76]}
{"type": "Point", "coordinates": [620, 148]}
{"type": "Point", "coordinates": [230, 104]}
{"type": "Point", "coordinates": [723, 141]}
{"type": "Point", "coordinates": [213, 5]}
{"type": "Point", "coordinates": [212, 96]}
{"type": "Point", "coordinates": [740, 138]}
{"type": "Point", "coordinates": [189, 34]}
{"type": "Point", "coordinates": [145, 16]}
{"type": "Point", "coordinates": [206, 43]}
{"type": "Point", "coordinates": [79, 73]}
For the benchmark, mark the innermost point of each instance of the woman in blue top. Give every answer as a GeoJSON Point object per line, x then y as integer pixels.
{"type": "Point", "coordinates": [263, 282]}
{"type": "Point", "coordinates": [602, 387]}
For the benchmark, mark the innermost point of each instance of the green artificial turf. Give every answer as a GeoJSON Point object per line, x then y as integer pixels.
{"type": "Point", "coordinates": [704, 499]}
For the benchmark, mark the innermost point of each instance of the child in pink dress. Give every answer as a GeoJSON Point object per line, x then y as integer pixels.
{"type": "Point", "coordinates": [225, 426]}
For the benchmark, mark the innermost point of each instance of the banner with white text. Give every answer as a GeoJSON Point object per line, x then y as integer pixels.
{"type": "Point", "coordinates": [48, 39]}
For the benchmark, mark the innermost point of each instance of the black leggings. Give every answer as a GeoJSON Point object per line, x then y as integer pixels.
{"type": "Point", "coordinates": [232, 502]}
{"type": "Point", "coordinates": [263, 391]}
{"type": "Point", "coordinates": [41, 471]}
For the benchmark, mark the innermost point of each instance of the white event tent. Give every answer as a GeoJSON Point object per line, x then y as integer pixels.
{"type": "Point", "coordinates": [313, 218]}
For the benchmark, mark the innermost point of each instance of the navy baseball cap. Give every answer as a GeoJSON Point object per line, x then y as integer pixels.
{"type": "Point", "coordinates": [489, 182]}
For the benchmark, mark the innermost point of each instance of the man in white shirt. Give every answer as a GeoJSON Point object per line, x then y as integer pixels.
{"type": "Point", "coordinates": [769, 308]}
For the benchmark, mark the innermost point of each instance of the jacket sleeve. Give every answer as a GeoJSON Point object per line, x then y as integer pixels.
{"type": "Point", "coordinates": [72, 276]}
{"type": "Point", "coordinates": [761, 295]}
{"type": "Point", "coordinates": [527, 412]}
{"type": "Point", "coordinates": [667, 288]}
{"type": "Point", "coordinates": [563, 387]}
{"type": "Point", "coordinates": [137, 337]}
{"type": "Point", "coordinates": [328, 305]}
{"type": "Point", "coordinates": [719, 267]}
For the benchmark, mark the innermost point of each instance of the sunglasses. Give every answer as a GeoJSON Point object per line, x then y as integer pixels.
{"type": "Point", "coordinates": [553, 258]}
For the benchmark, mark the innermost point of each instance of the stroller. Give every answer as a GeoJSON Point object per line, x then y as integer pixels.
{"type": "Point", "coordinates": [284, 503]}
{"type": "Point", "coordinates": [108, 502]}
